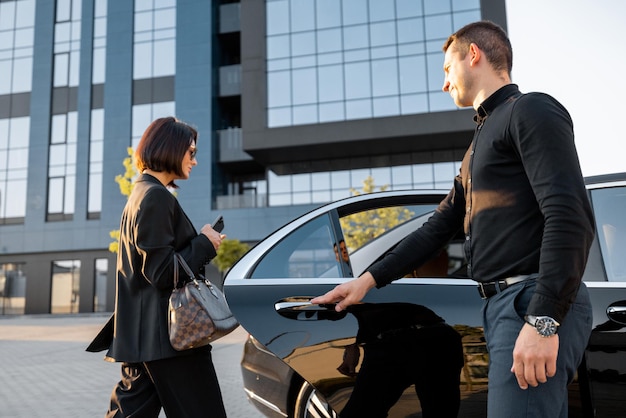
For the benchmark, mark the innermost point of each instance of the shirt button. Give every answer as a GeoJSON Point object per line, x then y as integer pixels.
{"type": "Point", "coordinates": [467, 238]}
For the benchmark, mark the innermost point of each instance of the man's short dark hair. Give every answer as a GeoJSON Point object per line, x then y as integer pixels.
{"type": "Point", "coordinates": [490, 38]}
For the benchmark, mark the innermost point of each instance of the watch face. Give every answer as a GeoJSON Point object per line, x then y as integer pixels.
{"type": "Point", "coordinates": [546, 326]}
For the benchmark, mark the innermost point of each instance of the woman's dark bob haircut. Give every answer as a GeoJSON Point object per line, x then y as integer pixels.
{"type": "Point", "coordinates": [163, 146]}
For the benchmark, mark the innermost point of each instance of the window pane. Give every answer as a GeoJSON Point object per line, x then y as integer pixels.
{"type": "Point", "coordinates": [61, 69]}
{"type": "Point", "coordinates": [608, 207]}
{"type": "Point", "coordinates": [328, 40]}
{"type": "Point", "coordinates": [13, 287]}
{"type": "Point", "coordinates": [412, 74]}
{"type": "Point", "coordinates": [164, 58]}
{"type": "Point", "coordinates": [306, 252]}
{"type": "Point", "coordinates": [358, 82]}
{"type": "Point", "coordinates": [302, 15]}
{"type": "Point", "coordinates": [277, 17]}
{"type": "Point", "coordinates": [381, 10]}
{"type": "Point", "coordinates": [22, 74]}
{"type": "Point", "coordinates": [64, 297]}
{"type": "Point", "coordinates": [385, 77]}
{"type": "Point", "coordinates": [304, 86]}
{"type": "Point", "coordinates": [408, 8]}
{"type": "Point", "coordinates": [279, 89]}
{"type": "Point", "coordinates": [383, 34]}
{"type": "Point", "coordinates": [278, 47]}
{"type": "Point", "coordinates": [100, 285]}
{"type": "Point", "coordinates": [331, 83]}
{"type": "Point", "coordinates": [94, 200]}
{"type": "Point", "coordinates": [354, 12]}
{"type": "Point", "coordinates": [63, 10]}
{"type": "Point", "coordinates": [5, 82]}
{"type": "Point", "coordinates": [328, 13]}
{"type": "Point", "coordinates": [55, 195]}
{"type": "Point", "coordinates": [303, 43]}
{"type": "Point", "coordinates": [7, 15]}
{"type": "Point", "coordinates": [164, 19]}
{"type": "Point", "coordinates": [99, 66]}
{"type": "Point", "coordinates": [142, 55]}
{"type": "Point", "coordinates": [16, 199]}
{"type": "Point", "coordinates": [355, 37]}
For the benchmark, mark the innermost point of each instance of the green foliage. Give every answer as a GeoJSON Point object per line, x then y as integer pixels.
{"type": "Point", "coordinates": [362, 227]}
{"type": "Point", "coordinates": [229, 253]}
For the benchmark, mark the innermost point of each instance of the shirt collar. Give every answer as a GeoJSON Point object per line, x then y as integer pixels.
{"type": "Point", "coordinates": [491, 102]}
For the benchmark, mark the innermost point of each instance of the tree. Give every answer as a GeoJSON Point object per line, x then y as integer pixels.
{"type": "Point", "coordinates": [126, 182]}
{"type": "Point", "coordinates": [229, 253]}
{"type": "Point", "coordinates": [360, 228]}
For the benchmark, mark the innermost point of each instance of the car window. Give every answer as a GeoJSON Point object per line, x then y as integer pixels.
{"type": "Point", "coordinates": [306, 252]}
{"type": "Point", "coordinates": [609, 206]}
{"type": "Point", "coordinates": [362, 227]}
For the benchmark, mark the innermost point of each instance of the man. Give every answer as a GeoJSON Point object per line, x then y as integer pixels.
{"type": "Point", "coordinates": [521, 200]}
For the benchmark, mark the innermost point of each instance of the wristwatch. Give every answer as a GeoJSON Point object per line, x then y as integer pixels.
{"type": "Point", "coordinates": [545, 325]}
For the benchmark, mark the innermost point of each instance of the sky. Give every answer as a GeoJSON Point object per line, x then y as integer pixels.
{"type": "Point", "coordinates": [574, 50]}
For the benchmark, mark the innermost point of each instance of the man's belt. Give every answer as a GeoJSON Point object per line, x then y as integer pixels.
{"type": "Point", "coordinates": [489, 289]}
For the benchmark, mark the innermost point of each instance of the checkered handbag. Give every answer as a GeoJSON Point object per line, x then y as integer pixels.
{"type": "Point", "coordinates": [198, 312]}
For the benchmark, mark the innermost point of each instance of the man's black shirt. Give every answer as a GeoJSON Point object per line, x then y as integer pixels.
{"type": "Point", "coordinates": [521, 200]}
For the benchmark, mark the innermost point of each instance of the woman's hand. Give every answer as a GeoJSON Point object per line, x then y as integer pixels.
{"type": "Point", "coordinates": [215, 237]}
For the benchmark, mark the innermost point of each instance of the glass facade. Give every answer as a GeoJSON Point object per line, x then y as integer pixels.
{"type": "Point", "coordinates": [62, 166]}
{"type": "Point", "coordinates": [323, 187]}
{"type": "Point", "coordinates": [80, 80]}
{"type": "Point", "coordinates": [155, 39]}
{"type": "Point", "coordinates": [17, 21]}
{"type": "Point", "coordinates": [154, 63]}
{"type": "Point", "coordinates": [64, 122]}
{"type": "Point", "coordinates": [98, 72]}
{"type": "Point", "coordinates": [96, 150]}
{"type": "Point", "coordinates": [336, 60]}
{"type": "Point", "coordinates": [14, 140]}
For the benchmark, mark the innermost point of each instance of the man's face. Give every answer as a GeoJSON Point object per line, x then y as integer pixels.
{"type": "Point", "coordinates": [458, 81]}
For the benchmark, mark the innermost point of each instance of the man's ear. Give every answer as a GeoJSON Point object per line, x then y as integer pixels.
{"type": "Point", "coordinates": [475, 54]}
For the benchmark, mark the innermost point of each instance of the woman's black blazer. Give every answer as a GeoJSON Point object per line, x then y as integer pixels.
{"type": "Point", "coordinates": [152, 228]}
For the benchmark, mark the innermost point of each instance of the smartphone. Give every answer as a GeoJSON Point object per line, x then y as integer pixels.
{"type": "Point", "coordinates": [218, 224]}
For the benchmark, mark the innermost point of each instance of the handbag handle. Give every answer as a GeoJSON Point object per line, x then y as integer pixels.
{"type": "Point", "coordinates": [178, 259]}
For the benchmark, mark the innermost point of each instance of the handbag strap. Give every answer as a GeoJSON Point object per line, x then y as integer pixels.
{"type": "Point", "coordinates": [178, 259]}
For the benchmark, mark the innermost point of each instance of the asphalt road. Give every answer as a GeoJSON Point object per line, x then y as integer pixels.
{"type": "Point", "coordinates": [46, 372]}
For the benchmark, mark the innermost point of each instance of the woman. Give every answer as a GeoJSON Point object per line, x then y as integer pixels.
{"type": "Point", "coordinates": [153, 227]}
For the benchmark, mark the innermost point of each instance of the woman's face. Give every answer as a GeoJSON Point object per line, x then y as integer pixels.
{"type": "Point", "coordinates": [189, 160]}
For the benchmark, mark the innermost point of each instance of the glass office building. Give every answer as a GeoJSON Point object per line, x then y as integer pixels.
{"type": "Point", "coordinates": [297, 102]}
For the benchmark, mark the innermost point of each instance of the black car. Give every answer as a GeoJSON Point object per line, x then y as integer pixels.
{"type": "Point", "coordinates": [421, 333]}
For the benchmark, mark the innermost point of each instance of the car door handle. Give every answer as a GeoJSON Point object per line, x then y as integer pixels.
{"type": "Point", "coordinates": [617, 312]}
{"type": "Point", "coordinates": [301, 308]}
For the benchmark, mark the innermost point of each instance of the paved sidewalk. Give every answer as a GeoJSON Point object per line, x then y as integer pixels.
{"type": "Point", "coordinates": [46, 372]}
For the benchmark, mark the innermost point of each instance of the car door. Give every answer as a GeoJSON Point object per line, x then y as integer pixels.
{"type": "Point", "coordinates": [605, 276]}
{"type": "Point", "coordinates": [423, 331]}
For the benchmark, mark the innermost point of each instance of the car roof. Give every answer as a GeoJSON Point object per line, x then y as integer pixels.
{"type": "Point", "coordinates": [606, 179]}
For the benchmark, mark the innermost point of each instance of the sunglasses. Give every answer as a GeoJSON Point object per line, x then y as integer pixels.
{"type": "Point", "coordinates": [192, 152]}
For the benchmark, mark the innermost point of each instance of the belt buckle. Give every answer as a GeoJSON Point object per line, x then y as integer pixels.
{"type": "Point", "coordinates": [481, 291]}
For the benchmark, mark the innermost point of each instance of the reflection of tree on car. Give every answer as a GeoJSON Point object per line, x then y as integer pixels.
{"type": "Point", "coordinates": [403, 344]}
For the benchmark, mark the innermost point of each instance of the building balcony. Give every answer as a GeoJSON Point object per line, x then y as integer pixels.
{"type": "Point", "coordinates": [229, 18]}
{"type": "Point", "coordinates": [230, 80]}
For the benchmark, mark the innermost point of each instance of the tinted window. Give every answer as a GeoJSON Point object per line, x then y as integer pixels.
{"type": "Point", "coordinates": [609, 205]}
{"type": "Point", "coordinates": [306, 252]}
